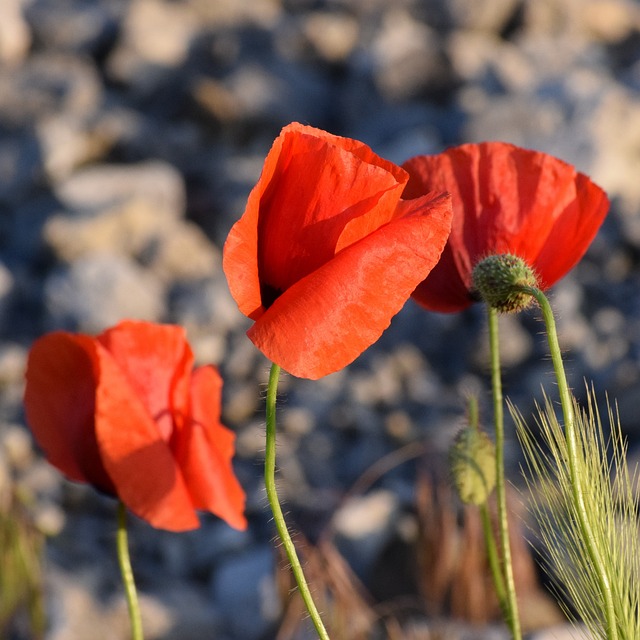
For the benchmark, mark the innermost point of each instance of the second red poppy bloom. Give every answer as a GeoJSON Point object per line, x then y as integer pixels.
{"type": "Point", "coordinates": [127, 413]}
{"type": "Point", "coordinates": [327, 252]}
{"type": "Point", "coordinates": [505, 200]}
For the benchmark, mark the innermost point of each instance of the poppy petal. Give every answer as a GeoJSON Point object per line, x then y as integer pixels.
{"type": "Point", "coordinates": [324, 321]}
{"type": "Point", "coordinates": [157, 362]}
{"type": "Point", "coordinates": [506, 200]}
{"type": "Point", "coordinates": [135, 454]}
{"type": "Point", "coordinates": [59, 402]}
{"type": "Point", "coordinates": [444, 290]}
{"type": "Point", "coordinates": [291, 225]}
{"type": "Point", "coordinates": [336, 186]}
{"type": "Point", "coordinates": [204, 449]}
{"type": "Point", "coordinates": [580, 222]}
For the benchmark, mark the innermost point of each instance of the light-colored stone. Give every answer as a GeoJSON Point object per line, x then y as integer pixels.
{"type": "Point", "coordinates": [334, 36]}
{"type": "Point", "coordinates": [97, 291]}
{"type": "Point", "coordinates": [405, 54]}
{"type": "Point", "coordinates": [102, 186]}
{"type": "Point", "coordinates": [15, 35]}
{"type": "Point", "coordinates": [156, 36]}
{"type": "Point", "coordinates": [67, 143]}
{"type": "Point", "coordinates": [363, 516]}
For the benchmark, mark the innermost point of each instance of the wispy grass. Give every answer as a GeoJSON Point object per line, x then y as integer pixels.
{"type": "Point", "coordinates": [20, 567]}
{"type": "Point", "coordinates": [608, 490]}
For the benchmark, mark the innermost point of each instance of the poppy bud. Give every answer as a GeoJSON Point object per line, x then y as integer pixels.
{"type": "Point", "coordinates": [498, 280]}
{"type": "Point", "coordinates": [472, 464]}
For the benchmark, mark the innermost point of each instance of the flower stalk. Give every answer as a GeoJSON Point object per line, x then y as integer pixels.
{"type": "Point", "coordinates": [577, 480]}
{"type": "Point", "coordinates": [124, 562]}
{"type": "Point", "coordinates": [509, 601]}
{"type": "Point", "coordinates": [493, 555]}
{"type": "Point", "coordinates": [272, 496]}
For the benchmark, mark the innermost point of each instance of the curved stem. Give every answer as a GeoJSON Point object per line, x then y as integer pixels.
{"type": "Point", "coordinates": [127, 574]}
{"type": "Point", "coordinates": [281, 526]}
{"type": "Point", "coordinates": [571, 437]}
{"type": "Point", "coordinates": [513, 618]}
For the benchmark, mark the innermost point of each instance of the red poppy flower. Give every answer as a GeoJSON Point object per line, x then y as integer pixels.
{"type": "Point", "coordinates": [326, 252]}
{"type": "Point", "coordinates": [505, 200]}
{"type": "Point", "coordinates": [125, 412]}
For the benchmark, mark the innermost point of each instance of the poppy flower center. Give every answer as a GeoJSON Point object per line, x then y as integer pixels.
{"type": "Point", "coordinates": [269, 294]}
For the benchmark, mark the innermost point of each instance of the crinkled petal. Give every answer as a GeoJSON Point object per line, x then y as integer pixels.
{"type": "Point", "coordinates": [59, 403]}
{"type": "Point", "coordinates": [135, 454]}
{"type": "Point", "coordinates": [157, 361]}
{"type": "Point", "coordinates": [312, 184]}
{"type": "Point", "coordinates": [324, 321]}
{"type": "Point", "coordinates": [580, 222]}
{"type": "Point", "coordinates": [506, 200]}
{"type": "Point", "coordinates": [316, 191]}
{"type": "Point", "coordinates": [444, 290]}
{"type": "Point", "coordinates": [204, 449]}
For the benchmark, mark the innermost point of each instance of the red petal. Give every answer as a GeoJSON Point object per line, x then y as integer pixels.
{"type": "Point", "coordinates": [580, 222]}
{"type": "Point", "coordinates": [204, 449]}
{"type": "Point", "coordinates": [157, 362]}
{"type": "Point", "coordinates": [324, 321]}
{"type": "Point", "coordinates": [444, 290]}
{"type": "Point", "coordinates": [59, 403]}
{"type": "Point", "coordinates": [505, 200]}
{"type": "Point", "coordinates": [313, 183]}
{"type": "Point", "coordinates": [136, 455]}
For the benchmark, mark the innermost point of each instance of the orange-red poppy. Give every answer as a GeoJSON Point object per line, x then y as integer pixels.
{"type": "Point", "coordinates": [505, 200]}
{"type": "Point", "coordinates": [327, 252]}
{"type": "Point", "coordinates": [126, 412]}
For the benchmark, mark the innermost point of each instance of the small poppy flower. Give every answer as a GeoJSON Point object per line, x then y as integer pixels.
{"type": "Point", "coordinates": [506, 200]}
{"type": "Point", "coordinates": [126, 412]}
{"type": "Point", "coordinates": [327, 252]}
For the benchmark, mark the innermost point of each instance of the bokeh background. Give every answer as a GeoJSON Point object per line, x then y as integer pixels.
{"type": "Point", "coordinates": [131, 132]}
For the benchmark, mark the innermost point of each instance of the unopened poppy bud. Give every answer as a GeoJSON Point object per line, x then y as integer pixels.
{"type": "Point", "coordinates": [472, 464]}
{"type": "Point", "coordinates": [498, 280]}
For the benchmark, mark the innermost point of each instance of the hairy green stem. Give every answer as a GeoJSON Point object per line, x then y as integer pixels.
{"type": "Point", "coordinates": [582, 510]}
{"type": "Point", "coordinates": [489, 537]}
{"type": "Point", "coordinates": [127, 574]}
{"type": "Point", "coordinates": [513, 618]}
{"type": "Point", "coordinates": [281, 526]}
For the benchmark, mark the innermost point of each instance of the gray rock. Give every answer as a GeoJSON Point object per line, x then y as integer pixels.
{"type": "Point", "coordinates": [407, 58]}
{"type": "Point", "coordinates": [97, 291]}
{"type": "Point", "coordinates": [103, 186]}
{"type": "Point", "coordinates": [481, 15]}
{"type": "Point", "coordinates": [244, 587]}
{"type": "Point", "coordinates": [76, 26]}
{"type": "Point", "coordinates": [20, 166]}
{"type": "Point", "coordinates": [155, 38]}
{"type": "Point", "coordinates": [46, 85]}
{"type": "Point", "coordinates": [363, 525]}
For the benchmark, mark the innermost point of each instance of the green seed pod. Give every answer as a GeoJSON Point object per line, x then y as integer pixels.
{"type": "Point", "coordinates": [498, 280]}
{"type": "Point", "coordinates": [472, 461]}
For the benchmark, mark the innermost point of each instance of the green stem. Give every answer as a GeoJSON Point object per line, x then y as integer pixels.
{"type": "Point", "coordinates": [573, 447]}
{"type": "Point", "coordinates": [281, 526]}
{"type": "Point", "coordinates": [127, 574]}
{"type": "Point", "coordinates": [489, 537]}
{"type": "Point", "coordinates": [513, 618]}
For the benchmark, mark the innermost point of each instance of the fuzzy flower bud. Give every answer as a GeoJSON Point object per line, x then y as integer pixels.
{"type": "Point", "coordinates": [472, 464]}
{"type": "Point", "coordinates": [497, 280]}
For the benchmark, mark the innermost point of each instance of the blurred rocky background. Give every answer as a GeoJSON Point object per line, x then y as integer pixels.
{"type": "Point", "coordinates": [130, 135]}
